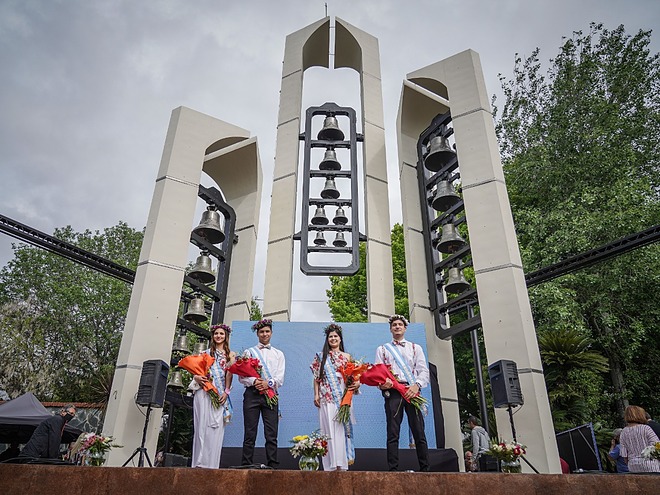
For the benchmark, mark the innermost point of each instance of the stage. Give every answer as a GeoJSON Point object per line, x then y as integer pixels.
{"type": "Point", "coordinates": [45, 480]}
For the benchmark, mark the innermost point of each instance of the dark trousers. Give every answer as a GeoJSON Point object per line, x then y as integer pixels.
{"type": "Point", "coordinates": [394, 407]}
{"type": "Point", "coordinates": [254, 405]}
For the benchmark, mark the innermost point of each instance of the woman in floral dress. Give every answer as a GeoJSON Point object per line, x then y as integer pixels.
{"type": "Point", "coordinates": [210, 421]}
{"type": "Point", "coordinates": [328, 390]}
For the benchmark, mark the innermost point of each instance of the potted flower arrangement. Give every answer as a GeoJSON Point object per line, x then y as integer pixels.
{"type": "Point", "coordinates": [309, 448]}
{"type": "Point", "coordinates": [95, 447]}
{"type": "Point", "coordinates": [508, 454]}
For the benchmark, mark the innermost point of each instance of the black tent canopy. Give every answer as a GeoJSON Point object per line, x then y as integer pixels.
{"type": "Point", "coordinates": [19, 418]}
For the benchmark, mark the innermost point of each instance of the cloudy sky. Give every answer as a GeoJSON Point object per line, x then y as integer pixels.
{"type": "Point", "coordinates": [87, 87]}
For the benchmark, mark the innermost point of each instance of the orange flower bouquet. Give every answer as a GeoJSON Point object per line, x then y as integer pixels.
{"type": "Point", "coordinates": [200, 365]}
{"type": "Point", "coordinates": [377, 374]}
{"type": "Point", "coordinates": [351, 372]}
{"type": "Point", "coordinates": [250, 367]}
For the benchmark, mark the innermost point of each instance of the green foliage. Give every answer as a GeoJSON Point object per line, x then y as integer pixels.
{"type": "Point", "coordinates": [347, 296]}
{"type": "Point", "coordinates": [581, 147]}
{"type": "Point", "coordinates": [255, 310]}
{"type": "Point", "coordinates": [60, 322]}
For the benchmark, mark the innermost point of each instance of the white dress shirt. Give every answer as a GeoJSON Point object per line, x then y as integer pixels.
{"type": "Point", "coordinates": [413, 355]}
{"type": "Point", "coordinates": [274, 359]}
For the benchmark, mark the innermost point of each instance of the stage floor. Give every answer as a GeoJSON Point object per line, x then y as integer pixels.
{"type": "Point", "coordinates": [45, 480]}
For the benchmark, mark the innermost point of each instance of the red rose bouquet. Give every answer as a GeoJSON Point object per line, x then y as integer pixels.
{"type": "Point", "coordinates": [377, 374]}
{"type": "Point", "coordinates": [250, 367]}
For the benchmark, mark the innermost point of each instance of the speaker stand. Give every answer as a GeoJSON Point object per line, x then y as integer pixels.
{"type": "Point", "coordinates": [513, 432]}
{"type": "Point", "coordinates": [142, 450]}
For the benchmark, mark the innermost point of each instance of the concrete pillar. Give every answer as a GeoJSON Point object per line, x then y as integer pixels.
{"type": "Point", "coordinates": [416, 109]}
{"type": "Point", "coordinates": [506, 316]}
{"type": "Point", "coordinates": [154, 305]}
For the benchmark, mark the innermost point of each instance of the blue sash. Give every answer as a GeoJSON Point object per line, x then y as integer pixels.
{"type": "Point", "coordinates": [331, 376]}
{"type": "Point", "coordinates": [266, 372]}
{"type": "Point", "coordinates": [401, 363]}
{"type": "Point", "coordinates": [218, 375]}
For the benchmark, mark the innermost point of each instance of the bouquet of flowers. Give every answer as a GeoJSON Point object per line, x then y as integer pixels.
{"type": "Point", "coordinates": [377, 374]}
{"type": "Point", "coordinates": [652, 451]}
{"type": "Point", "coordinates": [507, 452]}
{"type": "Point", "coordinates": [351, 372]}
{"type": "Point", "coordinates": [250, 367]}
{"type": "Point", "coordinates": [95, 446]}
{"type": "Point", "coordinates": [312, 445]}
{"type": "Point", "coordinates": [200, 365]}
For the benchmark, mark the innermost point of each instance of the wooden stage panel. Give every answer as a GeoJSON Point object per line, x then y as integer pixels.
{"type": "Point", "coordinates": [45, 480]}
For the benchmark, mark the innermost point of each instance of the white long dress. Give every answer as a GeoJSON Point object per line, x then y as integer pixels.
{"type": "Point", "coordinates": [209, 422]}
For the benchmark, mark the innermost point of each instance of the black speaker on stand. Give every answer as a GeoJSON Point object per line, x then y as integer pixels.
{"type": "Point", "coordinates": [505, 386]}
{"type": "Point", "coordinates": [151, 393]}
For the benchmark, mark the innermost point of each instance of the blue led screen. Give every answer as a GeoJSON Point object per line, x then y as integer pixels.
{"type": "Point", "coordinates": [299, 341]}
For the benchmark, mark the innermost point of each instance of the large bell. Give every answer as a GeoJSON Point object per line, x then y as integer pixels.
{"type": "Point", "coordinates": [339, 240]}
{"type": "Point", "coordinates": [330, 190]}
{"type": "Point", "coordinates": [202, 270]}
{"type": "Point", "coordinates": [450, 241]}
{"type": "Point", "coordinates": [200, 347]}
{"type": "Point", "coordinates": [196, 311]}
{"type": "Point", "coordinates": [181, 344]}
{"type": "Point", "coordinates": [456, 282]}
{"type": "Point", "coordinates": [440, 154]}
{"type": "Point", "coordinates": [330, 130]}
{"type": "Point", "coordinates": [320, 239]}
{"type": "Point", "coordinates": [209, 227]}
{"type": "Point", "coordinates": [319, 217]}
{"type": "Point", "coordinates": [330, 161]}
{"type": "Point", "coordinates": [175, 380]}
{"type": "Point", "coordinates": [445, 196]}
{"type": "Point", "coordinates": [340, 217]}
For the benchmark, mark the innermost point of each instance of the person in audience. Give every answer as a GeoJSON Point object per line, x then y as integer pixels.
{"type": "Point", "coordinates": [47, 437]}
{"type": "Point", "coordinates": [635, 437]}
{"type": "Point", "coordinates": [615, 452]}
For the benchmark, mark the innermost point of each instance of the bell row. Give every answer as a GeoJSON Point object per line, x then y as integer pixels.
{"type": "Point", "coordinates": [320, 218]}
{"type": "Point", "coordinates": [340, 240]}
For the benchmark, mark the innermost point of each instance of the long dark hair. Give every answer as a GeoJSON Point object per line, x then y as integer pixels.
{"type": "Point", "coordinates": [225, 344]}
{"type": "Point", "coordinates": [333, 327]}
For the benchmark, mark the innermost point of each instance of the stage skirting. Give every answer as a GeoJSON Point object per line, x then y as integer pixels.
{"type": "Point", "coordinates": [45, 480]}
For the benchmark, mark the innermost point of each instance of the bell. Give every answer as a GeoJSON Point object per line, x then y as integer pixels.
{"type": "Point", "coordinates": [200, 347]}
{"type": "Point", "coordinates": [456, 282]}
{"type": "Point", "coordinates": [196, 311]}
{"type": "Point", "coordinates": [330, 191]}
{"type": "Point", "coordinates": [450, 241]}
{"type": "Point", "coordinates": [320, 239]}
{"type": "Point", "coordinates": [202, 270]}
{"type": "Point", "coordinates": [340, 217]}
{"type": "Point", "coordinates": [319, 217]}
{"type": "Point", "coordinates": [209, 227]}
{"type": "Point", "coordinates": [175, 380]}
{"type": "Point", "coordinates": [445, 196]}
{"type": "Point", "coordinates": [339, 240]}
{"type": "Point", "coordinates": [181, 344]}
{"type": "Point", "coordinates": [331, 130]}
{"type": "Point", "coordinates": [440, 154]}
{"type": "Point", "coordinates": [330, 161]}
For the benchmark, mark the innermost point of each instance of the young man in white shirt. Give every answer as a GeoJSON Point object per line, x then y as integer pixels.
{"type": "Point", "coordinates": [408, 364]}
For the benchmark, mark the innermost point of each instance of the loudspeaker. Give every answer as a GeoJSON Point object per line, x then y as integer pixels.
{"type": "Point", "coordinates": [153, 382]}
{"type": "Point", "coordinates": [504, 383]}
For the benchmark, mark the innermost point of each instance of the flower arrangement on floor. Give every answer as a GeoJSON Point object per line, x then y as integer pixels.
{"type": "Point", "coordinates": [309, 448]}
{"type": "Point", "coordinates": [652, 451]}
{"type": "Point", "coordinates": [94, 447]}
{"type": "Point", "coordinates": [508, 453]}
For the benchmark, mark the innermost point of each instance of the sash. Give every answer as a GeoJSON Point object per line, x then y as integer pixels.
{"type": "Point", "coordinates": [266, 372]}
{"type": "Point", "coordinates": [217, 372]}
{"type": "Point", "coordinates": [401, 363]}
{"type": "Point", "coordinates": [335, 389]}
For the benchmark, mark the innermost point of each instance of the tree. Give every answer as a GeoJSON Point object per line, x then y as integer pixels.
{"type": "Point", "coordinates": [60, 322]}
{"type": "Point", "coordinates": [347, 296]}
{"type": "Point", "coordinates": [581, 148]}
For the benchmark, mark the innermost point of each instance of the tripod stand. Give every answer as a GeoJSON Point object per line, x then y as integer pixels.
{"type": "Point", "coordinates": [142, 450]}
{"type": "Point", "coordinates": [513, 433]}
